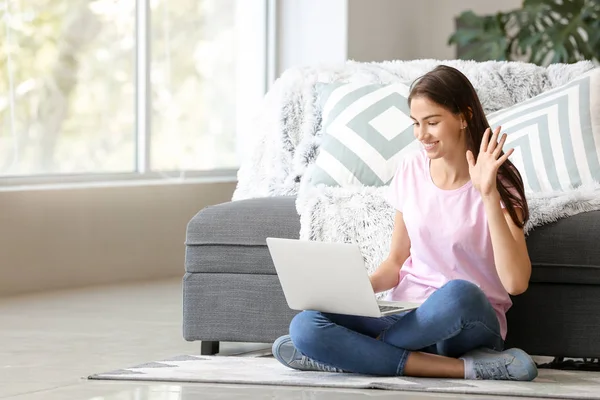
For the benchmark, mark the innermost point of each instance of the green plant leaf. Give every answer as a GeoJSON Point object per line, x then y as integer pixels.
{"type": "Point", "coordinates": [545, 30]}
{"type": "Point", "coordinates": [556, 25]}
{"type": "Point", "coordinates": [483, 38]}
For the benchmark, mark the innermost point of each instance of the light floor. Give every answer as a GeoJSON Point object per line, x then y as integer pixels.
{"type": "Point", "coordinates": [50, 342]}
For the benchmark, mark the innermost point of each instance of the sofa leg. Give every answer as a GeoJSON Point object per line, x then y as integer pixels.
{"type": "Point", "coordinates": [209, 348]}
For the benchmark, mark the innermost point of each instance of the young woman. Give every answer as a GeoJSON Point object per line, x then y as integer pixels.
{"type": "Point", "coordinates": [458, 245]}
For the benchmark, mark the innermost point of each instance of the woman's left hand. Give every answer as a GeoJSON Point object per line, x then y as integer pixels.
{"type": "Point", "coordinates": [484, 170]}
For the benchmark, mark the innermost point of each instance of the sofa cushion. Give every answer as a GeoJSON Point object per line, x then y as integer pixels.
{"type": "Point", "coordinates": [366, 129]}
{"type": "Point", "coordinates": [556, 135]}
{"type": "Point", "coordinates": [230, 237]}
{"type": "Point", "coordinates": [556, 320]}
{"type": "Point", "coordinates": [567, 251]}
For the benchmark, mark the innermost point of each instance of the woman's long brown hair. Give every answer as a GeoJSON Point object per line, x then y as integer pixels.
{"type": "Point", "coordinates": [452, 90]}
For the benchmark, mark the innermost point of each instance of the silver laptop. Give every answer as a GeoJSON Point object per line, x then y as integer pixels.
{"type": "Point", "coordinates": [328, 277]}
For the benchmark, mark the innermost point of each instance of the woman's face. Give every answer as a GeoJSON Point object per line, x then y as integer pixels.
{"type": "Point", "coordinates": [441, 132]}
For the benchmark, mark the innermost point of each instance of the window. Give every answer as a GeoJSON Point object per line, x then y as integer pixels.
{"type": "Point", "coordinates": [128, 87]}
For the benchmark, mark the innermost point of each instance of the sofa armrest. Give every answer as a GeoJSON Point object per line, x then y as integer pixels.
{"type": "Point", "coordinates": [231, 291]}
{"type": "Point", "coordinates": [245, 222]}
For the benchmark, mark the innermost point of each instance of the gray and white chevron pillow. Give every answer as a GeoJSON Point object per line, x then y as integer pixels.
{"type": "Point", "coordinates": [556, 135]}
{"type": "Point", "coordinates": [366, 129]}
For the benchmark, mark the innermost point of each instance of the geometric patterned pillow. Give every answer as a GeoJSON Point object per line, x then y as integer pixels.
{"type": "Point", "coordinates": [366, 129]}
{"type": "Point", "coordinates": [556, 135]}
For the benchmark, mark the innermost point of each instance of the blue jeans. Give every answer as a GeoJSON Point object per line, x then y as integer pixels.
{"type": "Point", "coordinates": [455, 319]}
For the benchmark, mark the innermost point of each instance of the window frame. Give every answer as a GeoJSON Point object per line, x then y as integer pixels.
{"type": "Point", "coordinates": [143, 128]}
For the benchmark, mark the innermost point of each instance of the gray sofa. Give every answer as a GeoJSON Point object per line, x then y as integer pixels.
{"type": "Point", "coordinates": [231, 291]}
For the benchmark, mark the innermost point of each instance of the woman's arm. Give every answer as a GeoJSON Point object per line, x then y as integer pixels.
{"type": "Point", "coordinates": [508, 241]}
{"type": "Point", "coordinates": [387, 274]}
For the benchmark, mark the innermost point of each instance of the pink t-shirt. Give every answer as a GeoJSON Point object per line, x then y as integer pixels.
{"type": "Point", "coordinates": [449, 236]}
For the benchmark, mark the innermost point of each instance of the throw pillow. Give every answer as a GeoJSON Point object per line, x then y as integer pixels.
{"type": "Point", "coordinates": [366, 129]}
{"type": "Point", "coordinates": [556, 135]}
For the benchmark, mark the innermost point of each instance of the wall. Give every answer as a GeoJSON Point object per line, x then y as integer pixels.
{"type": "Point", "coordinates": [370, 30]}
{"type": "Point", "coordinates": [311, 32]}
{"type": "Point", "coordinates": [380, 30]}
{"type": "Point", "coordinates": [53, 239]}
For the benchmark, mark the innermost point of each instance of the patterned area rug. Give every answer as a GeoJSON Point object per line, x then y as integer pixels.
{"type": "Point", "coordinates": [268, 371]}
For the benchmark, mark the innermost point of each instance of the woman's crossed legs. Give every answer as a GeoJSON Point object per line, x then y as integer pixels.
{"type": "Point", "coordinates": [454, 320]}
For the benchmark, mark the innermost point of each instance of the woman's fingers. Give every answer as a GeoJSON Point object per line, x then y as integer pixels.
{"type": "Point", "coordinates": [500, 145]}
{"type": "Point", "coordinates": [494, 140]}
{"type": "Point", "coordinates": [485, 140]}
{"type": "Point", "coordinates": [502, 159]}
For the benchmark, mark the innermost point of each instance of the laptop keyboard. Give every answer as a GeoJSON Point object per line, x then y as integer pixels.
{"type": "Point", "coordinates": [389, 308]}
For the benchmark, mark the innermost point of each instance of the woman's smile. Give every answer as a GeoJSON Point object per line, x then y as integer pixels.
{"type": "Point", "coordinates": [430, 145]}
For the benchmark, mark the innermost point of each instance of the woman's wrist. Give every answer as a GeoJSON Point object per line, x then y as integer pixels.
{"type": "Point", "coordinates": [493, 197]}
